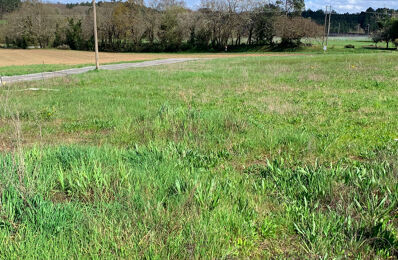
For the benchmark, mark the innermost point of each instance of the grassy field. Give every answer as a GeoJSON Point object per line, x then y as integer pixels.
{"type": "Point", "coordinates": [15, 61]}
{"type": "Point", "coordinates": [260, 157]}
{"type": "Point", "coordinates": [44, 59]}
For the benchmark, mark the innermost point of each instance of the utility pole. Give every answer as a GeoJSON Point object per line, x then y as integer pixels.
{"type": "Point", "coordinates": [326, 28]}
{"type": "Point", "coordinates": [95, 36]}
{"type": "Point", "coordinates": [330, 16]}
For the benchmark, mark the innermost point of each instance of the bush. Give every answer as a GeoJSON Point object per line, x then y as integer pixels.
{"type": "Point", "coordinates": [63, 47]}
{"type": "Point", "coordinates": [292, 30]}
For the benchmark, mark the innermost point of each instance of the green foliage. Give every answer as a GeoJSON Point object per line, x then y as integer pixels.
{"type": "Point", "coordinates": [263, 27]}
{"type": "Point", "coordinates": [7, 6]}
{"type": "Point", "coordinates": [74, 37]}
{"type": "Point", "coordinates": [393, 30]}
{"type": "Point", "coordinates": [169, 202]}
{"type": "Point", "coordinates": [58, 39]}
{"type": "Point", "coordinates": [170, 31]}
{"type": "Point", "coordinates": [329, 205]}
{"type": "Point", "coordinates": [369, 21]}
{"type": "Point", "coordinates": [388, 32]}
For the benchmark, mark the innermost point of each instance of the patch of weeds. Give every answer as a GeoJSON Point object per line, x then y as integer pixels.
{"type": "Point", "coordinates": [325, 216]}
{"type": "Point", "coordinates": [88, 125]}
{"type": "Point", "coordinates": [47, 113]}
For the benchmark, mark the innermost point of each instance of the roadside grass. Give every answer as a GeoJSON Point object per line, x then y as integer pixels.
{"type": "Point", "coordinates": [29, 69]}
{"type": "Point", "coordinates": [282, 157]}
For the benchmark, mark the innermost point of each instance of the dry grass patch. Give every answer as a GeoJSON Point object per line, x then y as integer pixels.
{"type": "Point", "coordinates": [273, 104]}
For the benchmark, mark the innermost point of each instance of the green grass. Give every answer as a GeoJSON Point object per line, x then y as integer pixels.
{"type": "Point", "coordinates": [283, 157]}
{"type": "Point", "coordinates": [29, 69]}
{"type": "Point", "coordinates": [336, 45]}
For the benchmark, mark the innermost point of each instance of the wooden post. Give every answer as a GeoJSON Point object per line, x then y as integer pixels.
{"type": "Point", "coordinates": [95, 36]}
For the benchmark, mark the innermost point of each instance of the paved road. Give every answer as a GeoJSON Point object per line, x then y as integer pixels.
{"type": "Point", "coordinates": [62, 73]}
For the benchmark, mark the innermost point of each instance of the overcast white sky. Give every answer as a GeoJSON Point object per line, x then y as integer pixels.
{"type": "Point", "coordinates": [351, 5]}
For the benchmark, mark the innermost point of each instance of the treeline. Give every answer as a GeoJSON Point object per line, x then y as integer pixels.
{"type": "Point", "coordinates": [366, 22]}
{"type": "Point", "coordinates": [163, 25]}
{"type": "Point", "coordinates": [388, 32]}
{"type": "Point", "coordinates": [7, 6]}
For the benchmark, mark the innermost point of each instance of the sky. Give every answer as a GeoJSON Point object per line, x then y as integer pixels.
{"type": "Point", "coordinates": [351, 6]}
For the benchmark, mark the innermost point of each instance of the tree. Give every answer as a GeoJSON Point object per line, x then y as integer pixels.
{"type": "Point", "coordinates": [7, 6]}
{"type": "Point", "coordinates": [136, 26]}
{"type": "Point", "coordinates": [377, 37]}
{"type": "Point", "coordinates": [393, 32]}
{"type": "Point", "coordinates": [33, 23]}
{"type": "Point", "coordinates": [263, 20]}
{"type": "Point", "coordinates": [170, 32]}
{"type": "Point", "coordinates": [292, 30]}
{"type": "Point", "coordinates": [388, 33]}
{"type": "Point", "coordinates": [292, 6]}
{"type": "Point", "coordinates": [74, 36]}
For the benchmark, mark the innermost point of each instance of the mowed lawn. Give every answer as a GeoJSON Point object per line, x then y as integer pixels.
{"type": "Point", "coordinates": [248, 157]}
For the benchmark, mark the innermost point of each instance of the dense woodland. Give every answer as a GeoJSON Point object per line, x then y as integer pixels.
{"type": "Point", "coordinates": [366, 22]}
{"type": "Point", "coordinates": [167, 25]}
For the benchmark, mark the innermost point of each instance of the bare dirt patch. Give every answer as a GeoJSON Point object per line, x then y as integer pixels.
{"type": "Point", "coordinates": [12, 57]}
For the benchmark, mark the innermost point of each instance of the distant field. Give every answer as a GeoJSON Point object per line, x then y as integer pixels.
{"type": "Point", "coordinates": [246, 157]}
{"type": "Point", "coordinates": [17, 61]}
{"type": "Point", "coordinates": [337, 44]}
{"type": "Point", "coordinates": [19, 57]}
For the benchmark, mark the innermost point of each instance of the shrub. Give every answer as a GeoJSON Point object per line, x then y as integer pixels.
{"type": "Point", "coordinates": [292, 30]}
{"type": "Point", "coordinates": [63, 47]}
{"type": "Point", "coordinates": [377, 37]}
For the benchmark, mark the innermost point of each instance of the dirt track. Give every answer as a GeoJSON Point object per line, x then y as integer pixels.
{"type": "Point", "coordinates": [9, 57]}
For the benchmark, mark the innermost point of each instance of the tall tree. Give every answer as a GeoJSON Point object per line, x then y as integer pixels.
{"type": "Point", "coordinates": [7, 6]}
{"type": "Point", "coordinates": [292, 6]}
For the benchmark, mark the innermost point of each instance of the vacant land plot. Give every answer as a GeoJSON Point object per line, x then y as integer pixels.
{"type": "Point", "coordinates": [289, 157]}
{"type": "Point", "coordinates": [18, 62]}
{"type": "Point", "coordinates": [11, 57]}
